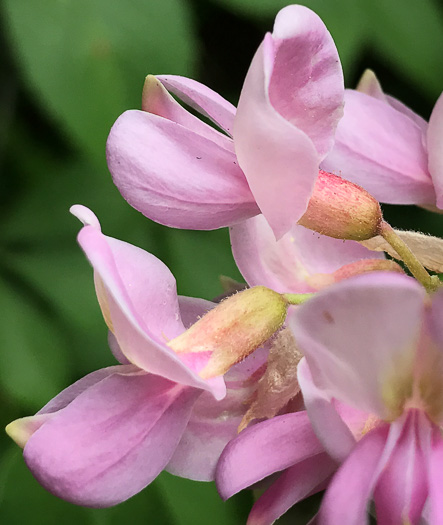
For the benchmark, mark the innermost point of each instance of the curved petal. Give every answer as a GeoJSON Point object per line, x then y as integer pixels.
{"type": "Point", "coordinates": [435, 480]}
{"type": "Point", "coordinates": [192, 308]}
{"type": "Point", "coordinates": [382, 150]}
{"type": "Point", "coordinates": [279, 443]}
{"type": "Point", "coordinates": [175, 176]}
{"type": "Point", "coordinates": [211, 426]}
{"type": "Point", "coordinates": [138, 297]}
{"type": "Point", "coordinates": [350, 490]}
{"type": "Point", "coordinates": [435, 155]}
{"type": "Point", "coordinates": [112, 440]}
{"type": "Point", "coordinates": [279, 160]}
{"type": "Point", "coordinates": [402, 486]}
{"type": "Point", "coordinates": [201, 98]}
{"type": "Point", "coordinates": [327, 423]}
{"type": "Point", "coordinates": [157, 100]}
{"type": "Point", "coordinates": [294, 484]}
{"type": "Point", "coordinates": [287, 265]}
{"type": "Point", "coordinates": [306, 80]}
{"type": "Point", "coordinates": [360, 339]}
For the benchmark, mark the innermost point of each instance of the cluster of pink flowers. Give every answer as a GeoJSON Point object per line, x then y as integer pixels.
{"type": "Point", "coordinates": [327, 373]}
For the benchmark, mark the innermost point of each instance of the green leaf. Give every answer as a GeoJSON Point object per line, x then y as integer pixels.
{"type": "Point", "coordinates": [87, 59]}
{"type": "Point", "coordinates": [410, 35]}
{"type": "Point", "coordinates": [34, 359]}
{"type": "Point", "coordinates": [197, 503]}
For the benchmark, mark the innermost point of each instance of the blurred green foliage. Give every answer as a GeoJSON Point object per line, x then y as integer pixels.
{"type": "Point", "coordinates": [68, 69]}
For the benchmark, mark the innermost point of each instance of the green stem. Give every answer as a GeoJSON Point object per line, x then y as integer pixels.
{"type": "Point", "coordinates": [297, 298]}
{"type": "Point", "coordinates": [431, 283]}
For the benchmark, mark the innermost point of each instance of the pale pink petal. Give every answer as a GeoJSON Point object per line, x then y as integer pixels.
{"type": "Point", "coordinates": [306, 80]}
{"type": "Point", "coordinates": [158, 101]}
{"type": "Point", "coordinates": [263, 449]}
{"type": "Point", "coordinates": [350, 490]}
{"type": "Point", "coordinates": [359, 338]}
{"type": "Point", "coordinates": [175, 176]}
{"type": "Point", "coordinates": [435, 473]}
{"type": "Point", "coordinates": [401, 489]}
{"type": "Point", "coordinates": [192, 308]}
{"type": "Point", "coordinates": [201, 98]}
{"type": "Point", "coordinates": [382, 150]}
{"type": "Point", "coordinates": [334, 434]}
{"type": "Point", "coordinates": [112, 440]}
{"type": "Point", "coordinates": [279, 160]}
{"type": "Point", "coordinates": [211, 426]}
{"type": "Point", "coordinates": [435, 146]}
{"type": "Point", "coordinates": [138, 295]}
{"type": "Point", "coordinates": [286, 265]}
{"type": "Point", "coordinates": [294, 484]}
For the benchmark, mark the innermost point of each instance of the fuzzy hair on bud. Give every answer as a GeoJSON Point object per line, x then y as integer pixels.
{"type": "Point", "coordinates": [341, 209]}
{"type": "Point", "coordinates": [234, 329]}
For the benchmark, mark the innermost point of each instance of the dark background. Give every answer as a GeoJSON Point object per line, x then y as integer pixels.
{"type": "Point", "coordinates": [68, 68]}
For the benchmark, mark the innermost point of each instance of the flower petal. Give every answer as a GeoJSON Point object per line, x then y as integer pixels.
{"type": "Point", "coordinates": [294, 484]}
{"type": "Point", "coordinates": [435, 473]}
{"type": "Point", "coordinates": [328, 426]}
{"type": "Point", "coordinates": [175, 176]}
{"type": "Point", "coordinates": [288, 265]}
{"type": "Point", "coordinates": [349, 492]}
{"type": "Point", "coordinates": [382, 150]}
{"type": "Point", "coordinates": [435, 155]}
{"type": "Point", "coordinates": [112, 440]}
{"type": "Point", "coordinates": [201, 98]}
{"type": "Point", "coordinates": [360, 338]}
{"type": "Point", "coordinates": [138, 296]}
{"type": "Point", "coordinates": [279, 443]}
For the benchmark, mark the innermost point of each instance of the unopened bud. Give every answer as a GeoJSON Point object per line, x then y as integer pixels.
{"type": "Point", "coordinates": [322, 280]}
{"type": "Point", "coordinates": [234, 328]}
{"type": "Point", "coordinates": [339, 208]}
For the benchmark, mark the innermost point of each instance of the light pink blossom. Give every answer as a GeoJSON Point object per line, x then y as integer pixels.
{"type": "Point", "coordinates": [387, 149]}
{"type": "Point", "coordinates": [183, 173]}
{"type": "Point", "coordinates": [371, 382]}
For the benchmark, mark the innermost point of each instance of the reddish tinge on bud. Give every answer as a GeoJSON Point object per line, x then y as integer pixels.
{"type": "Point", "coordinates": [234, 328]}
{"type": "Point", "coordinates": [341, 209]}
{"type": "Point", "coordinates": [322, 280]}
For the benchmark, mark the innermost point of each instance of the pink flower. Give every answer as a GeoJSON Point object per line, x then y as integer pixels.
{"type": "Point", "coordinates": [372, 385]}
{"type": "Point", "coordinates": [387, 149]}
{"type": "Point", "coordinates": [181, 172]}
{"type": "Point", "coordinates": [110, 434]}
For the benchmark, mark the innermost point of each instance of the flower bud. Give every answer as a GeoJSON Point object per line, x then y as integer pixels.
{"type": "Point", "coordinates": [322, 280]}
{"type": "Point", "coordinates": [234, 328]}
{"type": "Point", "coordinates": [341, 209]}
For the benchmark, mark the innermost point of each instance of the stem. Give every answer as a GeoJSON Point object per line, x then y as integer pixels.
{"type": "Point", "coordinates": [297, 298]}
{"type": "Point", "coordinates": [408, 257]}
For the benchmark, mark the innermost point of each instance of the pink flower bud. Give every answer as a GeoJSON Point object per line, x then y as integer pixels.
{"type": "Point", "coordinates": [234, 328]}
{"type": "Point", "coordinates": [341, 209]}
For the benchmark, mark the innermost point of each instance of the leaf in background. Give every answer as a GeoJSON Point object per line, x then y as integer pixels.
{"type": "Point", "coordinates": [410, 35]}
{"type": "Point", "coordinates": [345, 20]}
{"type": "Point", "coordinates": [87, 59]}
{"type": "Point", "coordinates": [198, 503]}
{"type": "Point", "coordinates": [34, 359]}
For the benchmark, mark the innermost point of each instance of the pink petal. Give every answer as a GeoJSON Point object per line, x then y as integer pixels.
{"type": "Point", "coordinates": [112, 440]}
{"type": "Point", "coordinates": [326, 421]}
{"type": "Point", "coordinates": [279, 443]}
{"type": "Point", "coordinates": [286, 265]}
{"type": "Point", "coordinates": [192, 308]}
{"type": "Point", "coordinates": [359, 338]}
{"type": "Point", "coordinates": [201, 98]}
{"type": "Point", "coordinates": [349, 492]}
{"type": "Point", "coordinates": [175, 176]}
{"type": "Point", "coordinates": [402, 489]}
{"type": "Point", "coordinates": [139, 296]}
{"type": "Point", "coordinates": [382, 150]}
{"type": "Point", "coordinates": [435, 155]}
{"type": "Point", "coordinates": [306, 80]}
{"type": "Point", "coordinates": [158, 101]}
{"type": "Point", "coordinates": [211, 426]}
{"type": "Point", "coordinates": [435, 473]}
{"type": "Point", "coordinates": [294, 484]}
